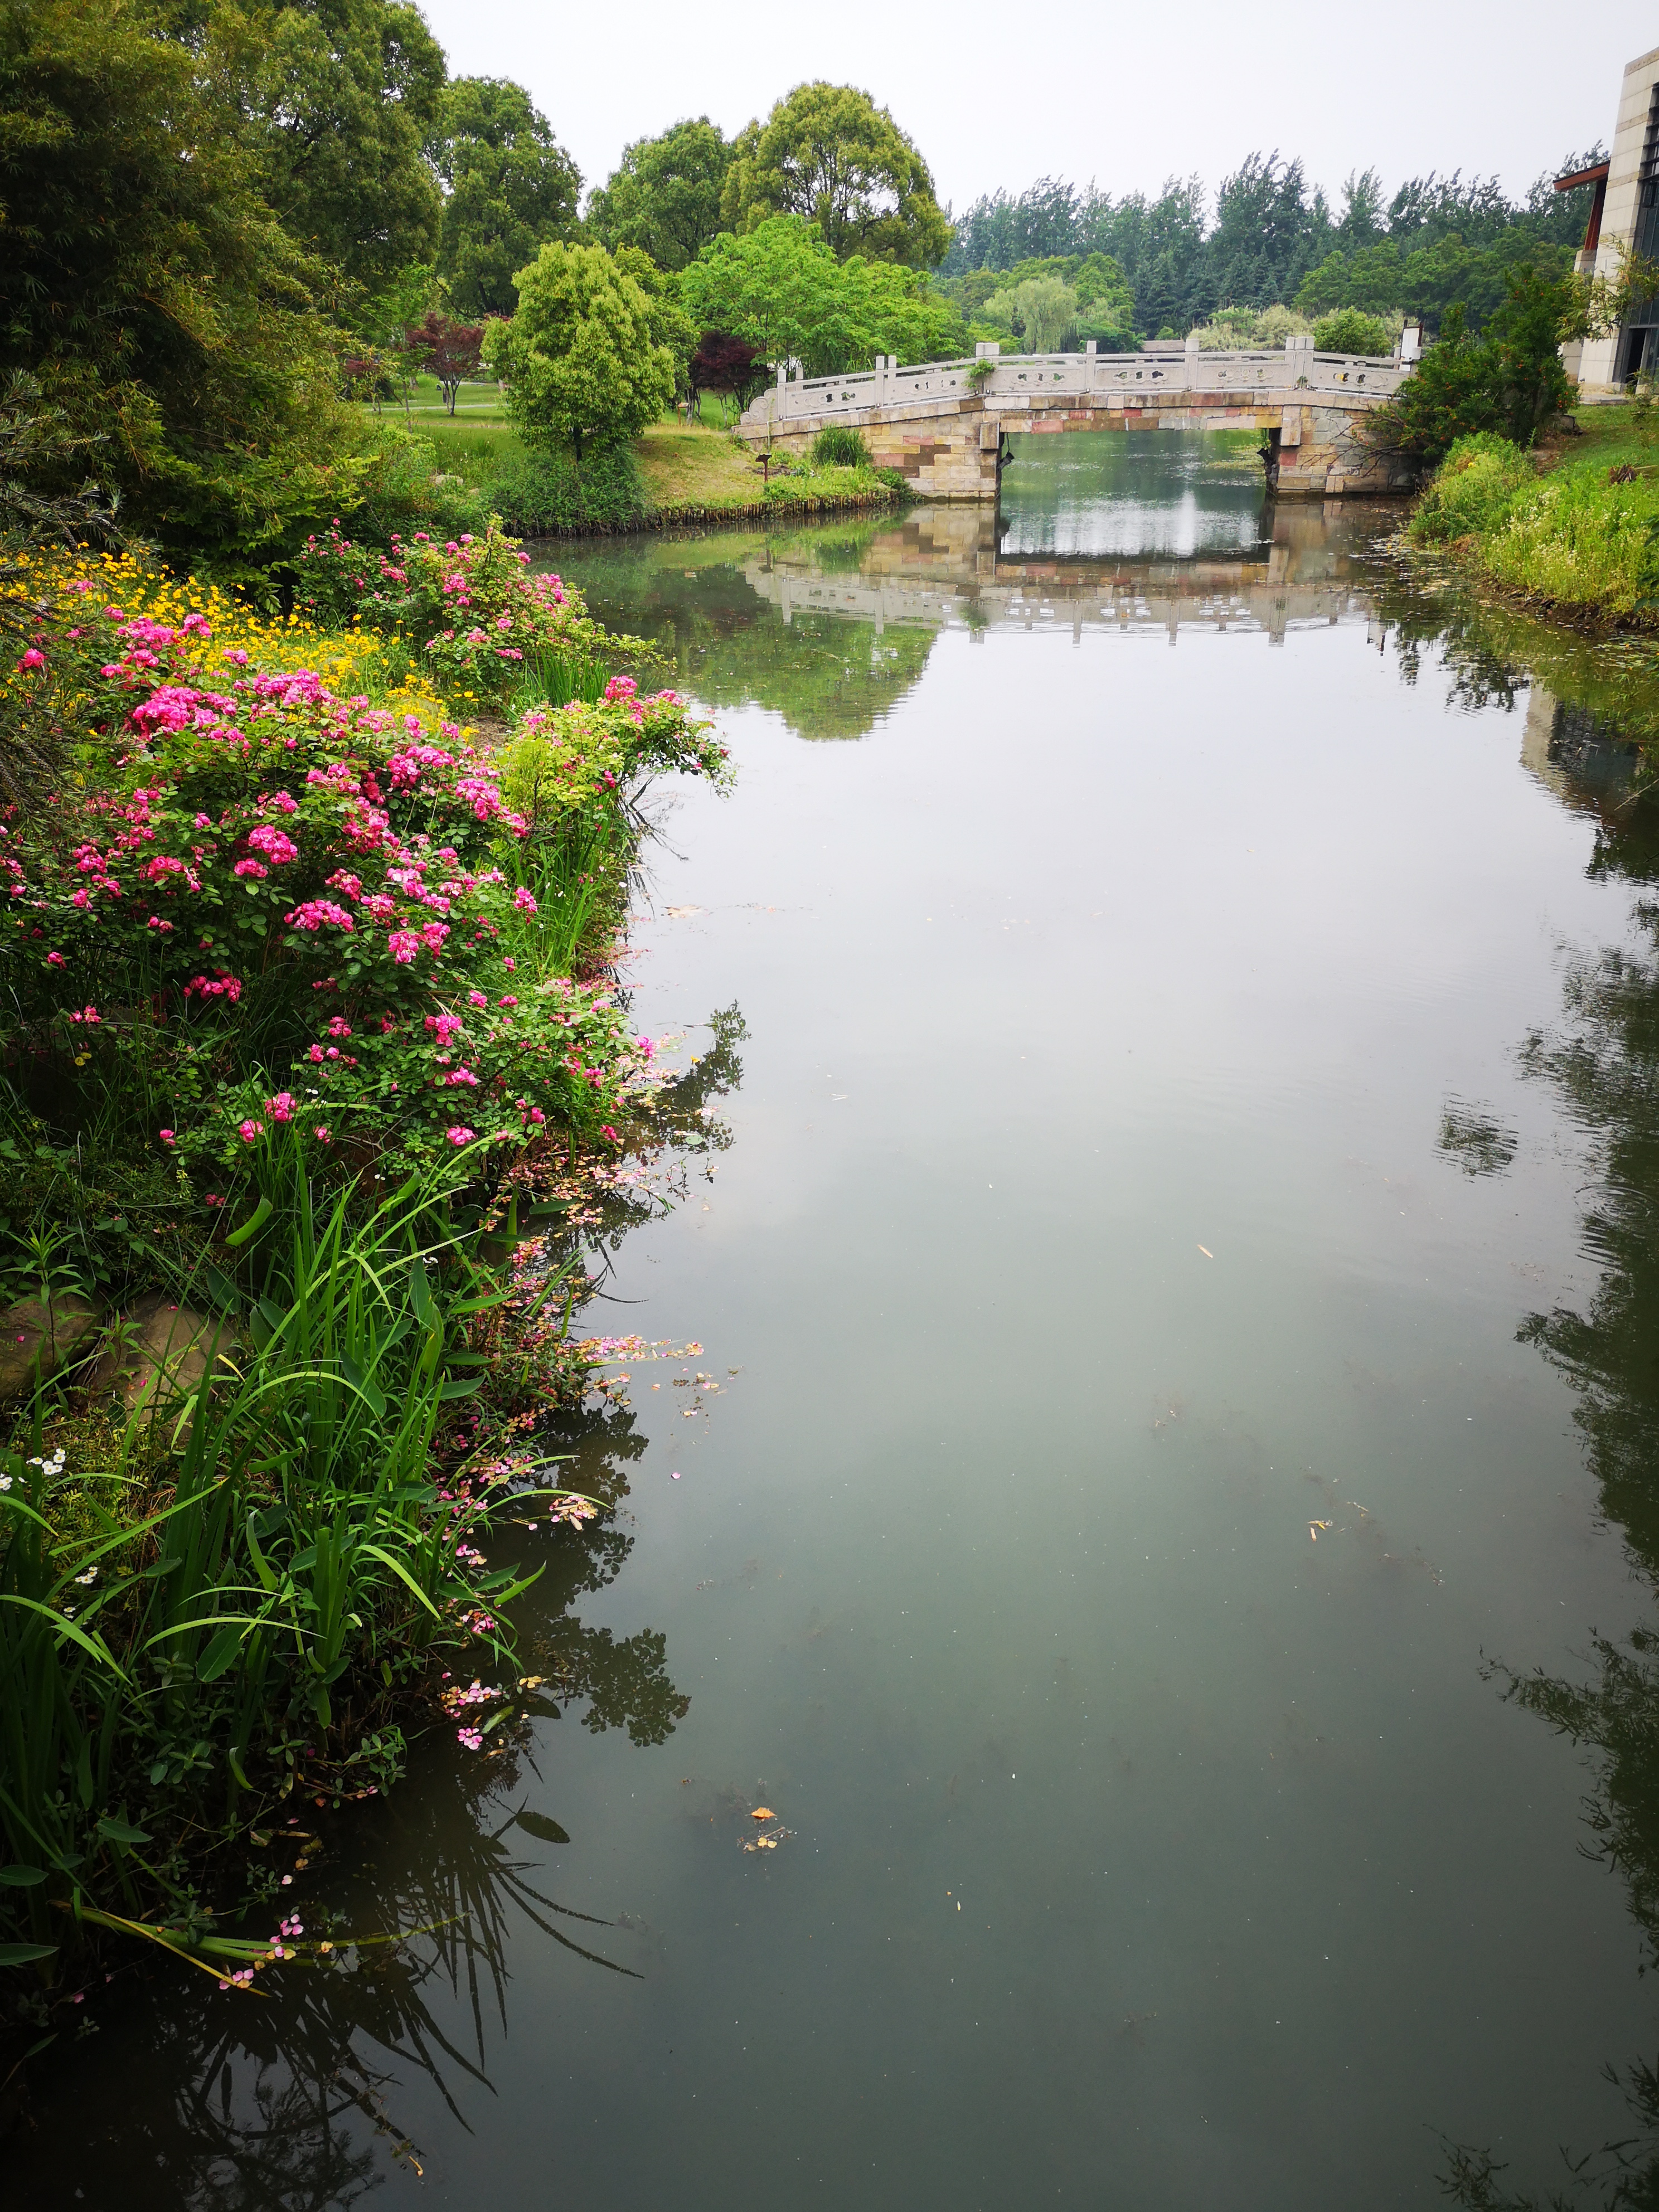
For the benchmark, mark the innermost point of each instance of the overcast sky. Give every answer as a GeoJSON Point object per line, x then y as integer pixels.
{"type": "Point", "coordinates": [1124, 93]}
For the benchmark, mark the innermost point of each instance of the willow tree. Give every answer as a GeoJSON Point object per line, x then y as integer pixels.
{"type": "Point", "coordinates": [1042, 310]}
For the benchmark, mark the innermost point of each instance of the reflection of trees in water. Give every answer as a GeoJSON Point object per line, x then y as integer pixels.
{"type": "Point", "coordinates": [1493, 654]}
{"type": "Point", "coordinates": [623, 1680]}
{"type": "Point", "coordinates": [1603, 1063]}
{"type": "Point", "coordinates": [827, 677]}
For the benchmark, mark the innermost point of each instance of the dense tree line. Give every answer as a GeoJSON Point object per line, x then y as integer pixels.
{"type": "Point", "coordinates": [191, 330]}
{"type": "Point", "coordinates": [1271, 237]}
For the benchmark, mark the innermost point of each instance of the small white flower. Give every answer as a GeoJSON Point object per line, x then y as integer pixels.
{"type": "Point", "coordinates": [5, 1482]}
{"type": "Point", "coordinates": [90, 1576]}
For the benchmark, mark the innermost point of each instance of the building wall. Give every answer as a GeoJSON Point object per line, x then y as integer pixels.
{"type": "Point", "coordinates": [1596, 364]}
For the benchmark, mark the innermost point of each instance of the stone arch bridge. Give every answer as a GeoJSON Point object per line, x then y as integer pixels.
{"type": "Point", "coordinates": [946, 423]}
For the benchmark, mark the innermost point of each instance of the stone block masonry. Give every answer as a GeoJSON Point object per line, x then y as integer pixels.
{"type": "Point", "coordinates": [948, 440]}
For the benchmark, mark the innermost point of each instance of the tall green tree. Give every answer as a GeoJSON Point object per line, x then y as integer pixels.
{"type": "Point", "coordinates": [827, 153]}
{"type": "Point", "coordinates": [581, 357]}
{"type": "Point", "coordinates": [780, 288]}
{"type": "Point", "coordinates": [665, 195]}
{"type": "Point", "coordinates": [510, 188]}
{"type": "Point", "coordinates": [146, 283]}
{"type": "Point", "coordinates": [339, 97]}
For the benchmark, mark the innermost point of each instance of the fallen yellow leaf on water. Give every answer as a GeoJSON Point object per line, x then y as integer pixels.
{"type": "Point", "coordinates": [767, 1843]}
{"type": "Point", "coordinates": [1206, 1250]}
{"type": "Point", "coordinates": [762, 1813]}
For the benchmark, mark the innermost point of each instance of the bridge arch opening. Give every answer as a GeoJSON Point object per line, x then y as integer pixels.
{"type": "Point", "coordinates": [1173, 495]}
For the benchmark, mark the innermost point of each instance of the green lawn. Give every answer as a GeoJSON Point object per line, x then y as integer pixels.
{"type": "Point", "coordinates": [694, 466]}
{"type": "Point", "coordinates": [474, 402]}
{"type": "Point", "coordinates": [1612, 435]}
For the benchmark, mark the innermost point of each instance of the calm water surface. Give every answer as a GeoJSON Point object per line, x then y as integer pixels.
{"type": "Point", "coordinates": [1184, 1246]}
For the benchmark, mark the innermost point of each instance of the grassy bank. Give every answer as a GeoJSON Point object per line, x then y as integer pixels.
{"type": "Point", "coordinates": [677, 474]}
{"type": "Point", "coordinates": [1571, 527]}
{"type": "Point", "coordinates": [310, 1071]}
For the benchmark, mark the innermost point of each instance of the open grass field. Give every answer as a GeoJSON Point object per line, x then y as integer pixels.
{"type": "Point", "coordinates": [685, 464]}
{"type": "Point", "coordinates": [678, 468]}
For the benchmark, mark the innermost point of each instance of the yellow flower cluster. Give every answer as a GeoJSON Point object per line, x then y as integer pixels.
{"type": "Point", "coordinates": [351, 663]}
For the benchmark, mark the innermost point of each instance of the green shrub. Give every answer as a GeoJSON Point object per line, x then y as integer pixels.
{"type": "Point", "coordinates": [540, 494]}
{"type": "Point", "coordinates": [326, 910]}
{"type": "Point", "coordinates": [839, 447]}
{"type": "Point", "coordinates": [1576, 540]}
{"type": "Point", "coordinates": [895, 480]}
{"type": "Point", "coordinates": [406, 487]}
{"type": "Point", "coordinates": [1350, 331]}
{"type": "Point", "coordinates": [1510, 379]}
{"type": "Point", "coordinates": [197, 1618]}
{"type": "Point", "coordinates": [1472, 489]}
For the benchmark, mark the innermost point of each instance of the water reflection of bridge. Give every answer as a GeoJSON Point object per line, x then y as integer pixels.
{"type": "Point", "coordinates": [939, 567]}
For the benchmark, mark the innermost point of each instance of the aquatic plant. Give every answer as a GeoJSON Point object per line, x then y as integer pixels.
{"type": "Point", "coordinates": [229, 1602]}
{"type": "Point", "coordinates": [838, 446]}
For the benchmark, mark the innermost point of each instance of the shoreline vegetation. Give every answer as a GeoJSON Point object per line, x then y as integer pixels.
{"type": "Point", "coordinates": [1567, 528]}
{"type": "Point", "coordinates": [677, 474]}
{"type": "Point", "coordinates": [317, 1076]}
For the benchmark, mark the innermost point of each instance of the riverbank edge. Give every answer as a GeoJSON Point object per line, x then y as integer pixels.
{"type": "Point", "coordinates": [36, 1992]}
{"type": "Point", "coordinates": [1605, 436]}
{"type": "Point", "coordinates": [1456, 563]}
{"type": "Point", "coordinates": [661, 520]}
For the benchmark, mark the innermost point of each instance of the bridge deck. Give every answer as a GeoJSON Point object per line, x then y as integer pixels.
{"type": "Point", "coordinates": [1107, 380]}
{"type": "Point", "coordinates": [943, 422]}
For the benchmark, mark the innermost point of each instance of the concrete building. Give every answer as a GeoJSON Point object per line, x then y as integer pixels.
{"type": "Point", "coordinates": [1624, 212]}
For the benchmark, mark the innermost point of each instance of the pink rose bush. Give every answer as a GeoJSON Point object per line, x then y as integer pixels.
{"type": "Point", "coordinates": [470, 605]}
{"type": "Point", "coordinates": [564, 758]}
{"type": "Point", "coordinates": [307, 913]}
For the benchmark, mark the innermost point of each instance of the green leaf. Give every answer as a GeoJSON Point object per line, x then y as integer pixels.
{"type": "Point", "coordinates": [118, 1831]}
{"type": "Point", "coordinates": [257, 1220]}
{"type": "Point", "coordinates": [538, 1824]}
{"type": "Point", "coordinates": [460, 1389]}
{"type": "Point", "coordinates": [376, 1551]}
{"type": "Point", "coordinates": [219, 1653]}
{"type": "Point", "coordinates": [97, 1651]}
{"type": "Point", "coordinates": [372, 1395]}
{"type": "Point", "coordinates": [22, 1954]}
{"type": "Point", "coordinates": [22, 1877]}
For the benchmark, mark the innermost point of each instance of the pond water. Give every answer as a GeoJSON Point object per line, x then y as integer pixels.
{"type": "Point", "coordinates": [1181, 1290]}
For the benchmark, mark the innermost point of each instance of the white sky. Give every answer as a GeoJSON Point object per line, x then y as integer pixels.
{"type": "Point", "coordinates": [1124, 93]}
